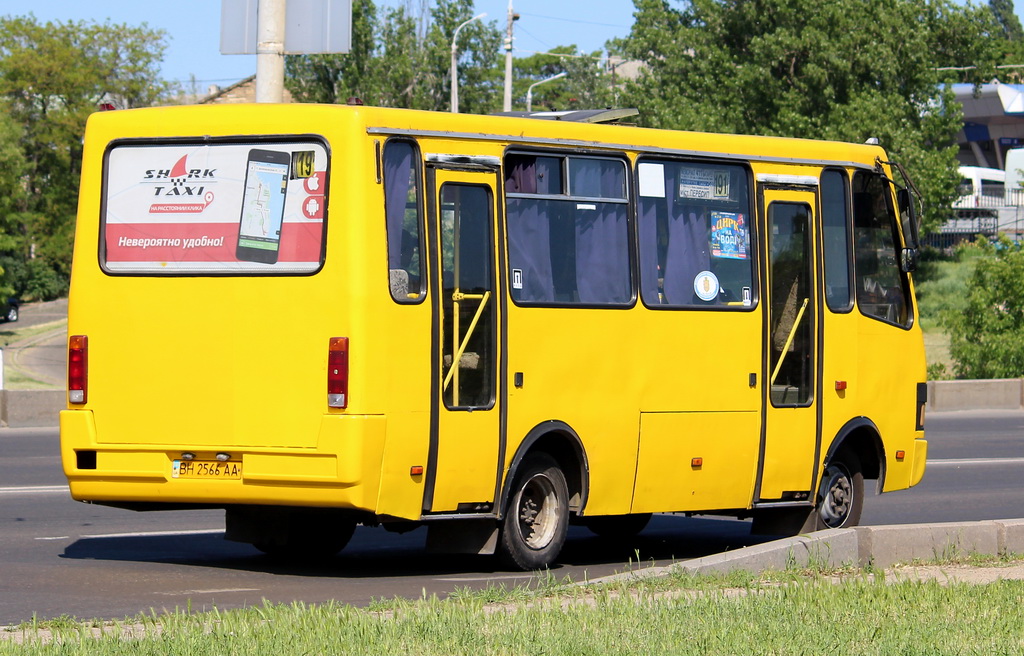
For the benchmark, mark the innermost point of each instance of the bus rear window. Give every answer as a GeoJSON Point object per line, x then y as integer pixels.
{"type": "Point", "coordinates": [214, 208]}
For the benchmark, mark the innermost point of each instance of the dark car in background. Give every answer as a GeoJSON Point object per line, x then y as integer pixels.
{"type": "Point", "coordinates": [9, 309]}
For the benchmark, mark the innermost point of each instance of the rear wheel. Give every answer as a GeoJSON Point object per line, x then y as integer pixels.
{"type": "Point", "coordinates": [293, 534]}
{"type": "Point", "coordinates": [537, 518]}
{"type": "Point", "coordinates": [841, 493]}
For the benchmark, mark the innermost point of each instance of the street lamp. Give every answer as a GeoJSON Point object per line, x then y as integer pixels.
{"type": "Point", "coordinates": [529, 92]}
{"type": "Point", "coordinates": [455, 73]}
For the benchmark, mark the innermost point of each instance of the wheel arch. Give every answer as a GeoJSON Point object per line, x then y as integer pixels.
{"type": "Point", "coordinates": [862, 436]}
{"type": "Point", "coordinates": [561, 442]}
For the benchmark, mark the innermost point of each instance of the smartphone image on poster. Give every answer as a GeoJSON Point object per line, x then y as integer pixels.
{"type": "Point", "coordinates": [266, 184]}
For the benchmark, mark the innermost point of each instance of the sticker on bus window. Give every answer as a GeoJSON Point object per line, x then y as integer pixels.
{"type": "Point", "coordinates": [728, 236]}
{"type": "Point", "coordinates": [704, 183]}
{"type": "Point", "coordinates": [706, 286]}
{"type": "Point", "coordinates": [214, 208]}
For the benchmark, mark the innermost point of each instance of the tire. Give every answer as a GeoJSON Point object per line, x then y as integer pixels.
{"type": "Point", "coordinates": [12, 313]}
{"type": "Point", "coordinates": [537, 516]}
{"type": "Point", "coordinates": [841, 493]}
{"type": "Point", "coordinates": [617, 526]}
{"type": "Point", "coordinates": [309, 537]}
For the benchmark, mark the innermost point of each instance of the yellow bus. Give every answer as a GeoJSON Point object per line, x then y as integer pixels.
{"type": "Point", "coordinates": [317, 317]}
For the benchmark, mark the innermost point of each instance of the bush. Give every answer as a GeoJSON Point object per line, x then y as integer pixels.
{"type": "Point", "coordinates": [987, 332]}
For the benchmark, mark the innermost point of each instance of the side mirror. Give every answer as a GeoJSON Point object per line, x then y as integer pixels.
{"type": "Point", "coordinates": [908, 216]}
{"type": "Point", "coordinates": [908, 259]}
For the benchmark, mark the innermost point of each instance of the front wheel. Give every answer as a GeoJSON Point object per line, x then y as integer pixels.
{"type": "Point", "coordinates": [12, 313]}
{"type": "Point", "coordinates": [537, 518]}
{"type": "Point", "coordinates": [841, 493]}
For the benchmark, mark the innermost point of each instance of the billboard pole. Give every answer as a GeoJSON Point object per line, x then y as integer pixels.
{"type": "Point", "coordinates": [270, 22]}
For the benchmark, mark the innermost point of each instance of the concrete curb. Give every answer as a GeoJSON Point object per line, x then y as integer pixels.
{"type": "Point", "coordinates": [879, 546]}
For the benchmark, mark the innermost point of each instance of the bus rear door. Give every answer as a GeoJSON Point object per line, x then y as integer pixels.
{"type": "Point", "coordinates": [466, 401]}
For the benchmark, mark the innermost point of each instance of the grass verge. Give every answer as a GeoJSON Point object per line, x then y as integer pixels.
{"type": "Point", "coordinates": [797, 612]}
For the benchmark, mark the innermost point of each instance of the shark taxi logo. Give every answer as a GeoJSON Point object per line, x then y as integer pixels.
{"type": "Point", "coordinates": [180, 189]}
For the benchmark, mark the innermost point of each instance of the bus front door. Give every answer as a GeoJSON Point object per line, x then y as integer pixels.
{"type": "Point", "coordinates": [789, 442]}
{"type": "Point", "coordinates": [466, 402]}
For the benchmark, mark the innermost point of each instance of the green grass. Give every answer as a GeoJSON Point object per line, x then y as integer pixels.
{"type": "Point", "coordinates": [793, 612]}
{"type": "Point", "coordinates": [941, 286]}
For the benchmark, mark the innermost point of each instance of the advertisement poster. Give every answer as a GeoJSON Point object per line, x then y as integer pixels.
{"type": "Point", "coordinates": [728, 236]}
{"type": "Point", "coordinates": [215, 208]}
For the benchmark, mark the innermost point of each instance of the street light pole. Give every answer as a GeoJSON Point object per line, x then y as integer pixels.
{"type": "Point", "coordinates": [270, 15]}
{"type": "Point", "coordinates": [512, 18]}
{"type": "Point", "coordinates": [455, 72]}
{"type": "Point", "coordinates": [529, 92]}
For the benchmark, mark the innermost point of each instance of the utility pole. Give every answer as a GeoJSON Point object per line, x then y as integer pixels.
{"type": "Point", "coordinates": [512, 18]}
{"type": "Point", "coordinates": [270, 22]}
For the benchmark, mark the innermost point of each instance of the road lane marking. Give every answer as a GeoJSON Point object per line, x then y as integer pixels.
{"type": "Point", "coordinates": [153, 534]}
{"type": "Point", "coordinates": [55, 537]}
{"type": "Point", "coordinates": [956, 462]}
{"type": "Point", "coordinates": [35, 489]}
{"type": "Point", "coordinates": [214, 591]}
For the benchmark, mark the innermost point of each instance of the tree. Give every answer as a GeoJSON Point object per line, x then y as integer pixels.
{"type": "Point", "coordinates": [1003, 12]}
{"type": "Point", "coordinates": [52, 76]}
{"type": "Point", "coordinates": [844, 70]}
{"type": "Point", "coordinates": [402, 60]}
{"type": "Point", "coordinates": [987, 336]}
{"type": "Point", "coordinates": [585, 85]}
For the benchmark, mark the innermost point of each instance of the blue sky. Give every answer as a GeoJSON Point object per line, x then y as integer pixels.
{"type": "Point", "coordinates": [193, 28]}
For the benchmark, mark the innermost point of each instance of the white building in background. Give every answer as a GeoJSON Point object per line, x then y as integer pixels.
{"type": "Point", "coordinates": [991, 157]}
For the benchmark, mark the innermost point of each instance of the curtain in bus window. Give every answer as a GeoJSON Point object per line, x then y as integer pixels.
{"type": "Point", "coordinates": [674, 243]}
{"type": "Point", "coordinates": [397, 167]}
{"type": "Point", "coordinates": [403, 222]}
{"type": "Point", "coordinates": [602, 251]}
{"type": "Point", "coordinates": [687, 253]}
{"type": "Point", "coordinates": [652, 214]}
{"type": "Point", "coordinates": [529, 229]}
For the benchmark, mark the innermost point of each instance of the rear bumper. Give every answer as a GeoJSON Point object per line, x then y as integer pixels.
{"type": "Point", "coordinates": [342, 471]}
{"type": "Point", "coordinates": [920, 461]}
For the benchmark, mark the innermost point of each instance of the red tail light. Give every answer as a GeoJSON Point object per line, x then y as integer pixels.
{"type": "Point", "coordinates": [78, 368]}
{"type": "Point", "coordinates": [337, 373]}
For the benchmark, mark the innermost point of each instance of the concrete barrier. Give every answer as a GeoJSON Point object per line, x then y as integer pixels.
{"type": "Point", "coordinates": [998, 394]}
{"type": "Point", "coordinates": [31, 408]}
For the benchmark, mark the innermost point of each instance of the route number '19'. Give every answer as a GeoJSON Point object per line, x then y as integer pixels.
{"type": "Point", "coordinates": [303, 163]}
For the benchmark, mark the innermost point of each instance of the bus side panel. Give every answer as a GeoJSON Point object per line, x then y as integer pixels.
{"type": "Point", "coordinates": [891, 400]}
{"type": "Point", "coordinates": [698, 402]}
{"type": "Point", "coordinates": [688, 462]}
{"type": "Point", "coordinates": [578, 366]}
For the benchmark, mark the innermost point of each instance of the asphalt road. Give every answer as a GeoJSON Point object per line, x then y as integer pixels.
{"type": "Point", "coordinates": [63, 557]}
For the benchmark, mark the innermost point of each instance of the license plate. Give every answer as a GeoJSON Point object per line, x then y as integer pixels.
{"type": "Point", "coordinates": [208, 469]}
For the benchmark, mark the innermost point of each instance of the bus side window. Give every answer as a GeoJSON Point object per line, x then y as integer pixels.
{"type": "Point", "coordinates": [694, 229]}
{"type": "Point", "coordinates": [568, 238]}
{"type": "Point", "coordinates": [835, 235]}
{"type": "Point", "coordinates": [881, 287]}
{"type": "Point", "coordinates": [403, 211]}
